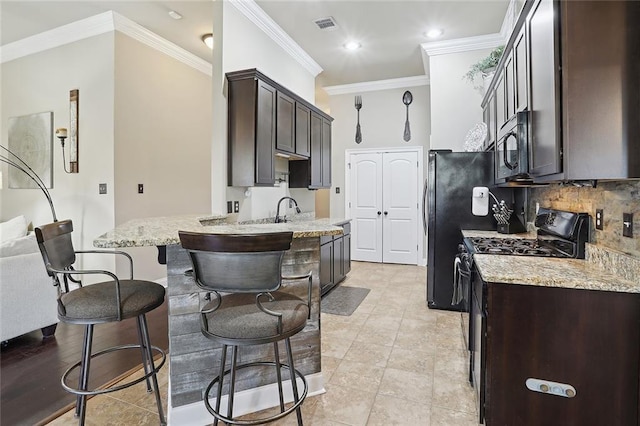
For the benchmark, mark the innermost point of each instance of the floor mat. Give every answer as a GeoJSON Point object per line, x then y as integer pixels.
{"type": "Point", "coordinates": [343, 300]}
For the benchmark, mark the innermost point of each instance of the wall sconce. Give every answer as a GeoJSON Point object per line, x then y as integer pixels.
{"type": "Point", "coordinates": [61, 133]}
{"type": "Point", "coordinates": [208, 40]}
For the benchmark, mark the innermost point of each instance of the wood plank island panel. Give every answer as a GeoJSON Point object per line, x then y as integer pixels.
{"type": "Point", "coordinates": [195, 359]}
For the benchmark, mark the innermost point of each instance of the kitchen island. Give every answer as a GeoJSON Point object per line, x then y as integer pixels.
{"type": "Point", "coordinates": [194, 359]}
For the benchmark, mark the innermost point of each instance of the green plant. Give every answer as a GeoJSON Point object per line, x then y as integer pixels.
{"type": "Point", "coordinates": [485, 64]}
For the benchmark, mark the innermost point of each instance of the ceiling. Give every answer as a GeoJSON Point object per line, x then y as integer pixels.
{"type": "Point", "coordinates": [390, 31]}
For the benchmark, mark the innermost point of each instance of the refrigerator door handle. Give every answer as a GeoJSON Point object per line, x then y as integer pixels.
{"type": "Point", "coordinates": [424, 207]}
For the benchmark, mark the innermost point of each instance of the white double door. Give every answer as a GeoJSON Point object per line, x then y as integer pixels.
{"type": "Point", "coordinates": [384, 206]}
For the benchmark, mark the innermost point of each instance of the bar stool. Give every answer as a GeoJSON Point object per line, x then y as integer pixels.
{"type": "Point", "coordinates": [103, 302]}
{"type": "Point", "coordinates": [243, 274]}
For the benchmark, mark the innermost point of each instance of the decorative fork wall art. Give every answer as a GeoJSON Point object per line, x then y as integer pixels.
{"type": "Point", "coordinates": [358, 105]}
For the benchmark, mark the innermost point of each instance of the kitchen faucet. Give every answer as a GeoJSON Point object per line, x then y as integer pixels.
{"type": "Point", "coordinates": [284, 217]}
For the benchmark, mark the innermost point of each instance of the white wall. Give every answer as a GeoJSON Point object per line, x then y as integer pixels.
{"type": "Point", "coordinates": [41, 82]}
{"type": "Point", "coordinates": [382, 120]}
{"type": "Point", "coordinates": [163, 131]}
{"type": "Point", "coordinates": [247, 46]}
{"type": "Point", "coordinates": [244, 46]}
{"type": "Point", "coordinates": [455, 104]}
{"type": "Point", "coordinates": [144, 118]}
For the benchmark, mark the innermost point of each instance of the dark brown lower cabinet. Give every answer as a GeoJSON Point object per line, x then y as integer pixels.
{"type": "Point", "coordinates": [335, 258]}
{"type": "Point", "coordinates": [584, 338]}
{"type": "Point", "coordinates": [326, 264]}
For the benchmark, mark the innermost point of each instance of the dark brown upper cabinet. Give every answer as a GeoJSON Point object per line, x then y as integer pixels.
{"type": "Point", "coordinates": [489, 118]}
{"type": "Point", "coordinates": [265, 118]}
{"type": "Point", "coordinates": [520, 72]}
{"type": "Point", "coordinates": [314, 173]}
{"type": "Point", "coordinates": [303, 130]}
{"type": "Point", "coordinates": [286, 123]}
{"type": "Point", "coordinates": [545, 147]}
{"type": "Point", "coordinates": [574, 67]}
{"type": "Point", "coordinates": [251, 131]}
{"type": "Point", "coordinates": [320, 152]}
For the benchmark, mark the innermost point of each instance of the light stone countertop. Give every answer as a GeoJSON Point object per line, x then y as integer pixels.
{"type": "Point", "coordinates": [550, 272]}
{"type": "Point", "coordinates": [603, 269]}
{"type": "Point", "coordinates": [162, 231]}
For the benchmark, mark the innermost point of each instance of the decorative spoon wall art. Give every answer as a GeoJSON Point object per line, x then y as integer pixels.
{"type": "Point", "coordinates": [358, 105]}
{"type": "Point", "coordinates": [407, 98]}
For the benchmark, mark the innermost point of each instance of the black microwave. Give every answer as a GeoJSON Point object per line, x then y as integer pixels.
{"type": "Point", "coordinates": [512, 153]}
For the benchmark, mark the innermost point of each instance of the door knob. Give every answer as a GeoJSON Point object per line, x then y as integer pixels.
{"type": "Point", "coordinates": [379, 213]}
{"type": "Point", "coordinates": [386, 213]}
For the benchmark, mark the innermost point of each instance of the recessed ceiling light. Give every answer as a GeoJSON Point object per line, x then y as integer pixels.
{"type": "Point", "coordinates": [208, 40]}
{"type": "Point", "coordinates": [352, 45]}
{"type": "Point", "coordinates": [434, 33]}
{"type": "Point", "coordinates": [175, 15]}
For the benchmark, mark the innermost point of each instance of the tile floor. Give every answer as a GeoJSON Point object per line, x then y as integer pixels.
{"type": "Point", "coordinates": [393, 361]}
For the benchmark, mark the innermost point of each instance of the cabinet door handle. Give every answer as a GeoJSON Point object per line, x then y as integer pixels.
{"type": "Point", "coordinates": [386, 213]}
{"type": "Point", "coordinates": [505, 150]}
{"type": "Point", "coordinates": [379, 213]}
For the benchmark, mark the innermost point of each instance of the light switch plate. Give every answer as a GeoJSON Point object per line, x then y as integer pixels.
{"type": "Point", "coordinates": [140, 188]}
{"type": "Point", "coordinates": [627, 225]}
{"type": "Point", "coordinates": [102, 188]}
{"type": "Point", "coordinates": [599, 219]}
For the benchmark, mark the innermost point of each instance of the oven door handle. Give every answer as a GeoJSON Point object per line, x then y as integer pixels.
{"type": "Point", "coordinates": [458, 293]}
{"type": "Point", "coordinates": [505, 149]}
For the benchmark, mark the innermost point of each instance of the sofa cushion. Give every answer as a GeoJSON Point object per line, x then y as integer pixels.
{"type": "Point", "coordinates": [14, 228]}
{"type": "Point", "coordinates": [18, 246]}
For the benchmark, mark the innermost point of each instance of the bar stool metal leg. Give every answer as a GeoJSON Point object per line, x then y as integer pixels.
{"type": "Point", "coordinates": [83, 381]}
{"type": "Point", "coordinates": [294, 383]}
{"type": "Point", "coordinates": [145, 362]}
{"type": "Point", "coordinates": [232, 383]}
{"type": "Point", "coordinates": [142, 322]}
{"type": "Point", "coordinates": [276, 354]}
{"type": "Point", "coordinates": [223, 361]}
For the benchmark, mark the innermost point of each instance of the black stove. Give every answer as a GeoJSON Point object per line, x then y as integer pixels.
{"type": "Point", "coordinates": [560, 234]}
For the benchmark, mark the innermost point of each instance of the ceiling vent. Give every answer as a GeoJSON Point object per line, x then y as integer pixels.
{"type": "Point", "coordinates": [327, 23]}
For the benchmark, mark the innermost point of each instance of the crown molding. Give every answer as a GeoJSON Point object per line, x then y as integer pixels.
{"type": "Point", "coordinates": [96, 25]}
{"type": "Point", "coordinates": [509, 21]}
{"type": "Point", "coordinates": [65, 34]}
{"type": "Point", "coordinates": [253, 12]}
{"type": "Point", "coordinates": [458, 45]}
{"type": "Point", "coordinates": [488, 41]}
{"type": "Point", "coordinates": [371, 86]}
{"type": "Point", "coordinates": [153, 40]}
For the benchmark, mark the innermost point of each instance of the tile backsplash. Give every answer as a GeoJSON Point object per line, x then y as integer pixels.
{"type": "Point", "coordinates": [615, 198]}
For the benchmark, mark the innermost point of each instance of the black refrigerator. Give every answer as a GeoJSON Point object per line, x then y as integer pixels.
{"type": "Point", "coordinates": [448, 189]}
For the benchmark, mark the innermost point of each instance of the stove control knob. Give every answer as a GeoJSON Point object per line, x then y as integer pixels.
{"type": "Point", "coordinates": [570, 393]}
{"type": "Point", "coordinates": [544, 387]}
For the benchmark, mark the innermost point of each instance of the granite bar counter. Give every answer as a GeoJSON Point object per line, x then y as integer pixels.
{"type": "Point", "coordinates": [161, 231]}
{"type": "Point", "coordinates": [194, 359]}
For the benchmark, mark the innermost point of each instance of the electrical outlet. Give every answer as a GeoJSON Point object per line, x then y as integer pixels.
{"type": "Point", "coordinates": [229, 206]}
{"type": "Point", "coordinates": [627, 225]}
{"type": "Point", "coordinates": [236, 206]}
{"type": "Point", "coordinates": [140, 188]}
{"type": "Point", "coordinates": [102, 188]}
{"type": "Point", "coordinates": [337, 189]}
{"type": "Point", "coordinates": [599, 219]}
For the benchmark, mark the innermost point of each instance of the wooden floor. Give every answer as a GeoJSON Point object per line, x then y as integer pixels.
{"type": "Point", "coordinates": [30, 367]}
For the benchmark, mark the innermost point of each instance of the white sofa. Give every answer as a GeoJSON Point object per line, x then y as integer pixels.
{"type": "Point", "coordinates": [28, 299]}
